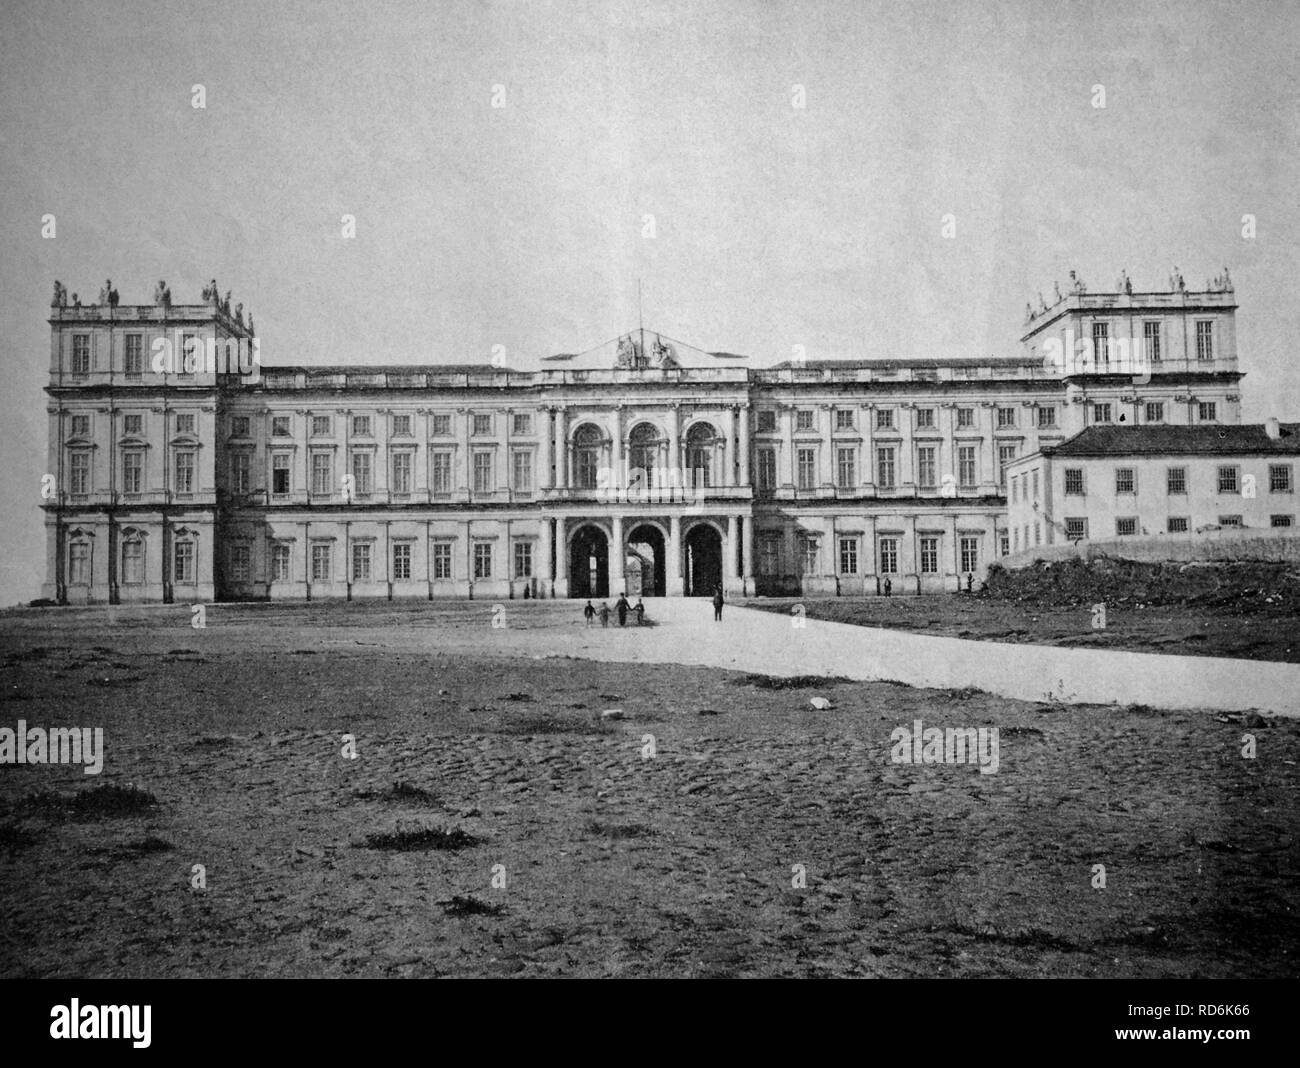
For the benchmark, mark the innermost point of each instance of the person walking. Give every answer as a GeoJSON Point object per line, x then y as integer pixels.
{"type": "Point", "coordinates": [638, 610]}
{"type": "Point", "coordinates": [717, 603]}
{"type": "Point", "coordinates": [970, 581]}
{"type": "Point", "coordinates": [888, 586]}
{"type": "Point", "coordinates": [589, 613]}
{"type": "Point", "coordinates": [604, 613]}
{"type": "Point", "coordinates": [621, 606]}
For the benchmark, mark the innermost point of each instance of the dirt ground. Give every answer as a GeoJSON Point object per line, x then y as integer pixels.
{"type": "Point", "coordinates": [1136, 627]}
{"type": "Point", "coordinates": [615, 863]}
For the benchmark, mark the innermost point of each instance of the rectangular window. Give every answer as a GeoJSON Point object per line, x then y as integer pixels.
{"type": "Point", "coordinates": [280, 562]}
{"type": "Point", "coordinates": [184, 472]}
{"type": "Point", "coordinates": [808, 554]}
{"type": "Point", "coordinates": [133, 561]}
{"type": "Point", "coordinates": [79, 563]}
{"type": "Point", "coordinates": [240, 471]}
{"type": "Point", "coordinates": [1207, 411]}
{"type": "Point", "coordinates": [885, 468]}
{"type": "Point", "coordinates": [81, 354]}
{"type": "Point", "coordinates": [523, 472]}
{"type": "Point", "coordinates": [1076, 529]}
{"type": "Point", "coordinates": [360, 561]}
{"type": "Point", "coordinates": [1101, 413]}
{"type": "Point", "coordinates": [133, 360]}
{"type": "Point", "coordinates": [1034, 475]}
{"type": "Point", "coordinates": [183, 561]}
{"type": "Point", "coordinates": [401, 426]}
{"type": "Point", "coordinates": [1038, 534]}
{"type": "Point", "coordinates": [132, 472]}
{"type": "Point", "coordinates": [1281, 520]}
{"type": "Point", "coordinates": [241, 563]}
{"type": "Point", "coordinates": [482, 425]}
{"type": "Point", "coordinates": [843, 418]}
{"type": "Point", "coordinates": [239, 425]}
{"type": "Point", "coordinates": [807, 468]}
{"type": "Point", "coordinates": [1229, 520]}
{"type": "Point", "coordinates": [322, 475]}
{"type": "Point", "coordinates": [1155, 412]}
{"type": "Point", "coordinates": [321, 426]}
{"type": "Point", "coordinates": [361, 426]}
{"type": "Point", "coordinates": [80, 426]}
{"type": "Point", "coordinates": [402, 562]}
{"type": "Point", "coordinates": [1176, 480]}
{"type": "Point", "coordinates": [1100, 346]}
{"type": "Point", "coordinates": [482, 472]}
{"type": "Point", "coordinates": [929, 556]}
{"type": "Point", "coordinates": [848, 556]}
{"type": "Point", "coordinates": [966, 466]}
{"type": "Point", "coordinates": [483, 560]}
{"type": "Point", "coordinates": [441, 426]}
{"type": "Point", "coordinates": [1125, 480]}
{"type": "Point", "coordinates": [965, 417]}
{"type": "Point", "coordinates": [320, 562]}
{"type": "Point", "coordinates": [767, 469]}
{"type": "Point", "coordinates": [522, 423]}
{"type": "Point", "coordinates": [1074, 482]}
{"type": "Point", "coordinates": [1205, 339]}
{"type": "Point", "coordinates": [523, 559]}
{"type": "Point", "coordinates": [769, 554]}
{"type": "Point", "coordinates": [1177, 524]}
{"type": "Point", "coordinates": [970, 553]}
{"type": "Point", "coordinates": [1046, 416]}
{"type": "Point", "coordinates": [926, 476]}
{"type": "Point", "coordinates": [1006, 418]}
{"type": "Point", "coordinates": [1279, 478]}
{"type": "Point", "coordinates": [279, 426]}
{"type": "Point", "coordinates": [185, 423]}
{"type": "Point", "coordinates": [280, 473]}
{"type": "Point", "coordinates": [889, 556]}
{"type": "Point", "coordinates": [924, 418]}
{"type": "Point", "coordinates": [401, 472]}
{"type": "Point", "coordinates": [766, 421]}
{"type": "Point", "coordinates": [1228, 482]}
{"type": "Point", "coordinates": [1006, 453]}
{"type": "Point", "coordinates": [441, 473]}
{"type": "Point", "coordinates": [803, 419]}
{"type": "Point", "coordinates": [1126, 526]}
{"type": "Point", "coordinates": [1004, 544]}
{"type": "Point", "coordinates": [442, 560]}
{"type": "Point", "coordinates": [361, 468]}
{"type": "Point", "coordinates": [846, 468]}
{"type": "Point", "coordinates": [1151, 341]}
{"type": "Point", "coordinates": [884, 418]}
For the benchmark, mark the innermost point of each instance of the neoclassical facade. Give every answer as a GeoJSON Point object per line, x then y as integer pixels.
{"type": "Point", "coordinates": [640, 466]}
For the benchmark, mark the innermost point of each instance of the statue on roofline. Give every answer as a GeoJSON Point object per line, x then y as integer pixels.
{"type": "Point", "coordinates": [60, 299]}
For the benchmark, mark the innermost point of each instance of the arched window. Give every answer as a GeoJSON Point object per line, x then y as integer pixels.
{"type": "Point", "coordinates": [587, 444]}
{"type": "Point", "coordinates": [702, 443]}
{"type": "Point", "coordinates": [643, 448]}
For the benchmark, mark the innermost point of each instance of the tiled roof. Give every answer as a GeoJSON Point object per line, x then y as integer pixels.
{"type": "Point", "coordinates": [1177, 441]}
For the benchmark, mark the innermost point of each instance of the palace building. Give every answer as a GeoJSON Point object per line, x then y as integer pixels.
{"type": "Point", "coordinates": [642, 465]}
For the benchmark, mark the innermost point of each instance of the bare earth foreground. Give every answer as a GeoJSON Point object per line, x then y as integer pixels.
{"type": "Point", "coordinates": [615, 862]}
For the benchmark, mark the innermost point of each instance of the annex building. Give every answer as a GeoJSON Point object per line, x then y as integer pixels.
{"type": "Point", "coordinates": [642, 465]}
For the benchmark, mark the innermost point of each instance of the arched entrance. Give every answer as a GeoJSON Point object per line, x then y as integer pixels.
{"type": "Point", "coordinates": [646, 569]}
{"type": "Point", "coordinates": [703, 560]}
{"type": "Point", "coordinates": [589, 563]}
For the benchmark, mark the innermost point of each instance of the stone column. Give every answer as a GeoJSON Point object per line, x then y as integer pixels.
{"type": "Point", "coordinates": [544, 563]}
{"type": "Point", "coordinates": [745, 413]}
{"type": "Point", "coordinates": [730, 461]}
{"type": "Point", "coordinates": [787, 442]}
{"type": "Point", "coordinates": [730, 570]}
{"type": "Point", "coordinates": [827, 465]}
{"type": "Point", "coordinates": [546, 435]}
{"type": "Point", "coordinates": [674, 446]}
{"type": "Point", "coordinates": [561, 560]}
{"type": "Point", "coordinates": [561, 452]}
{"type": "Point", "coordinates": [748, 568]}
{"type": "Point", "coordinates": [616, 449]}
{"type": "Point", "coordinates": [617, 558]}
{"type": "Point", "coordinates": [673, 568]}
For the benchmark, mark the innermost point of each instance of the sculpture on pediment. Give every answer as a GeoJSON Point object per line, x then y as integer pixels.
{"type": "Point", "coordinates": [76, 301]}
{"type": "Point", "coordinates": [665, 356]}
{"type": "Point", "coordinates": [1056, 287]}
{"type": "Point", "coordinates": [239, 313]}
{"type": "Point", "coordinates": [1125, 284]}
{"type": "Point", "coordinates": [225, 304]}
{"type": "Point", "coordinates": [211, 295]}
{"type": "Point", "coordinates": [629, 352]}
{"type": "Point", "coordinates": [1042, 304]}
{"type": "Point", "coordinates": [60, 299]}
{"type": "Point", "coordinates": [1029, 313]}
{"type": "Point", "coordinates": [1176, 283]}
{"type": "Point", "coordinates": [161, 294]}
{"type": "Point", "coordinates": [1076, 283]}
{"type": "Point", "coordinates": [108, 295]}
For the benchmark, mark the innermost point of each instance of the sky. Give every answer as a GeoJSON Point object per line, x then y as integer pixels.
{"type": "Point", "coordinates": [636, 141]}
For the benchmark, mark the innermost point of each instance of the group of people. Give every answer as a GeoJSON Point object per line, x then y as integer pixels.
{"type": "Point", "coordinates": [621, 607]}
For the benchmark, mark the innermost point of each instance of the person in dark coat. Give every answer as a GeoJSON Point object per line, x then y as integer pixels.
{"type": "Point", "coordinates": [888, 587]}
{"type": "Point", "coordinates": [604, 613]}
{"type": "Point", "coordinates": [621, 606]}
{"type": "Point", "coordinates": [970, 581]}
{"type": "Point", "coordinates": [638, 610]}
{"type": "Point", "coordinates": [589, 613]}
{"type": "Point", "coordinates": [717, 603]}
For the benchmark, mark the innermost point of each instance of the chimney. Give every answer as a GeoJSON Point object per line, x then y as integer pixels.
{"type": "Point", "coordinates": [1271, 428]}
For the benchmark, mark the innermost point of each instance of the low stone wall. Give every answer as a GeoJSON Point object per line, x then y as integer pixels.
{"type": "Point", "coordinates": [1276, 546]}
